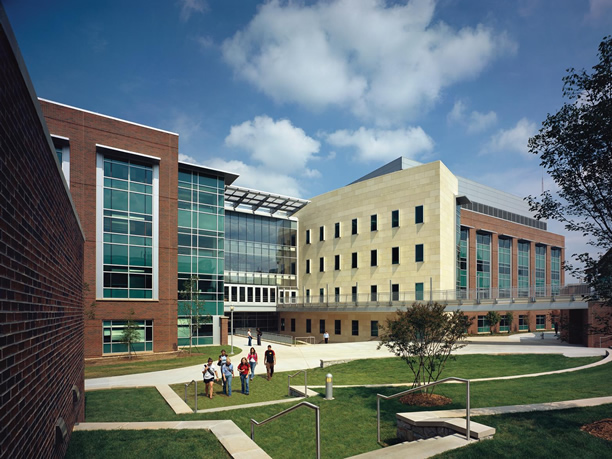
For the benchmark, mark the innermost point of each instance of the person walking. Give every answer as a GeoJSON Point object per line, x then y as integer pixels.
{"type": "Point", "coordinates": [259, 333]}
{"type": "Point", "coordinates": [210, 375]}
{"type": "Point", "coordinates": [228, 374]}
{"type": "Point", "coordinates": [326, 336]}
{"type": "Point", "coordinates": [270, 359]}
{"type": "Point", "coordinates": [243, 371]}
{"type": "Point", "coordinates": [222, 360]}
{"type": "Point", "coordinates": [250, 337]}
{"type": "Point", "coordinates": [252, 362]}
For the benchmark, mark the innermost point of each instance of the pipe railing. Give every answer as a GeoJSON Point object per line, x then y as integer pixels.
{"type": "Point", "coordinates": [288, 410]}
{"type": "Point", "coordinates": [193, 381]}
{"type": "Point", "coordinates": [414, 389]}
{"type": "Point", "coordinates": [306, 339]}
{"type": "Point", "coordinates": [289, 383]}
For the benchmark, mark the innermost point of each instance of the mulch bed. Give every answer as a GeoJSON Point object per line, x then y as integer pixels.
{"type": "Point", "coordinates": [421, 399]}
{"type": "Point", "coordinates": [601, 428]}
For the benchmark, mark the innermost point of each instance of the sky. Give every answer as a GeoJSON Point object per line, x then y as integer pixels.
{"type": "Point", "coordinates": [303, 97]}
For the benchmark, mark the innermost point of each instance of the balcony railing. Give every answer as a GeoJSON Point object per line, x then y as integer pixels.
{"type": "Point", "coordinates": [490, 295]}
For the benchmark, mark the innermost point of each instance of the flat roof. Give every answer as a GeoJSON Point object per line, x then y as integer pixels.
{"type": "Point", "coordinates": [255, 200]}
{"type": "Point", "coordinates": [229, 177]}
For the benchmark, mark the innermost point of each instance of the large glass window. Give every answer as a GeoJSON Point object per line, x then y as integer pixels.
{"type": "Point", "coordinates": [540, 322]}
{"type": "Point", "coordinates": [483, 265]}
{"type": "Point", "coordinates": [483, 325]}
{"type": "Point", "coordinates": [112, 333]}
{"type": "Point", "coordinates": [540, 270]}
{"type": "Point", "coordinates": [503, 324]}
{"type": "Point", "coordinates": [504, 267]}
{"type": "Point", "coordinates": [128, 229]}
{"type": "Point", "coordinates": [395, 288]}
{"type": "Point", "coordinates": [374, 328]}
{"type": "Point", "coordinates": [418, 253]}
{"type": "Point", "coordinates": [462, 264]}
{"type": "Point", "coordinates": [555, 270]}
{"type": "Point", "coordinates": [373, 293]}
{"type": "Point", "coordinates": [523, 268]}
{"type": "Point", "coordinates": [395, 223]}
{"type": "Point", "coordinates": [419, 291]}
{"type": "Point", "coordinates": [523, 322]}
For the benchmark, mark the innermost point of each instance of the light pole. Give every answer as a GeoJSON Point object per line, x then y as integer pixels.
{"type": "Point", "coordinates": [232, 327]}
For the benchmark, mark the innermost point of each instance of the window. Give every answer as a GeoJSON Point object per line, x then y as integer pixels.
{"type": "Point", "coordinates": [354, 293]}
{"type": "Point", "coordinates": [483, 265]}
{"type": "Point", "coordinates": [523, 268]}
{"type": "Point", "coordinates": [292, 325]}
{"type": "Point", "coordinates": [395, 219]}
{"type": "Point", "coordinates": [307, 295]}
{"type": "Point", "coordinates": [503, 324]}
{"type": "Point", "coordinates": [321, 295]}
{"type": "Point", "coordinates": [338, 327]}
{"type": "Point", "coordinates": [354, 260]}
{"type": "Point", "coordinates": [373, 258]}
{"type": "Point", "coordinates": [374, 328]}
{"type": "Point", "coordinates": [337, 230]}
{"type": "Point", "coordinates": [540, 270]}
{"type": "Point", "coordinates": [308, 326]}
{"type": "Point", "coordinates": [394, 292]}
{"type": "Point", "coordinates": [540, 322]}
{"type": "Point", "coordinates": [418, 291]}
{"type": "Point", "coordinates": [395, 256]}
{"type": "Point", "coordinates": [337, 294]}
{"type": "Point", "coordinates": [374, 223]}
{"type": "Point", "coordinates": [355, 327]}
{"type": "Point", "coordinates": [321, 326]}
{"type": "Point", "coordinates": [337, 262]}
{"type": "Point", "coordinates": [322, 264]}
{"type": "Point", "coordinates": [555, 270]}
{"type": "Point", "coordinates": [354, 226]}
{"type": "Point", "coordinates": [418, 253]}
{"type": "Point", "coordinates": [321, 233]}
{"type": "Point", "coordinates": [307, 266]}
{"type": "Point", "coordinates": [307, 236]}
{"type": "Point", "coordinates": [282, 324]}
{"type": "Point", "coordinates": [112, 332]}
{"type": "Point", "coordinates": [523, 323]}
{"type": "Point", "coordinates": [418, 214]}
{"type": "Point", "coordinates": [483, 325]}
{"type": "Point", "coordinates": [373, 293]}
{"type": "Point", "coordinates": [462, 264]}
{"type": "Point", "coordinates": [62, 150]}
{"type": "Point", "coordinates": [504, 267]}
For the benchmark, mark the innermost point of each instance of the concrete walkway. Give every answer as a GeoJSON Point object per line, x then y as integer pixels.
{"type": "Point", "coordinates": [293, 358]}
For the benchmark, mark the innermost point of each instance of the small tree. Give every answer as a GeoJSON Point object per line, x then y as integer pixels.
{"type": "Point", "coordinates": [194, 307]}
{"type": "Point", "coordinates": [509, 320]}
{"type": "Point", "coordinates": [493, 318]}
{"type": "Point", "coordinates": [131, 333]}
{"type": "Point", "coordinates": [425, 336]}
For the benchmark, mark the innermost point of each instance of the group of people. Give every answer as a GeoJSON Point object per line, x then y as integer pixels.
{"type": "Point", "coordinates": [250, 336]}
{"type": "Point", "coordinates": [246, 370]}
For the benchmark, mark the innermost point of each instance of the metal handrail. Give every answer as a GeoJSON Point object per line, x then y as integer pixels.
{"type": "Point", "coordinates": [467, 409]}
{"type": "Point", "coordinates": [289, 383]}
{"type": "Point", "coordinates": [288, 410]}
{"type": "Point", "coordinates": [308, 339]}
{"type": "Point", "coordinates": [193, 381]}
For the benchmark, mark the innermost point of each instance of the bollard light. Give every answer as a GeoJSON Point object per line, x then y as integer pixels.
{"type": "Point", "coordinates": [329, 387]}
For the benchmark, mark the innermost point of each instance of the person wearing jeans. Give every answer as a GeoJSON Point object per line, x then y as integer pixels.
{"type": "Point", "coordinates": [252, 358]}
{"type": "Point", "coordinates": [228, 374]}
{"type": "Point", "coordinates": [270, 359]}
{"type": "Point", "coordinates": [243, 371]}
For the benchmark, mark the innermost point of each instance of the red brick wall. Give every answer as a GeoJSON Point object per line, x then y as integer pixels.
{"type": "Point", "coordinates": [85, 130]}
{"type": "Point", "coordinates": [41, 275]}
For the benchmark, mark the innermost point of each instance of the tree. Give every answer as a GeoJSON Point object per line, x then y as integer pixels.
{"type": "Point", "coordinates": [493, 318]}
{"type": "Point", "coordinates": [193, 306]}
{"type": "Point", "coordinates": [575, 147]}
{"type": "Point", "coordinates": [509, 320]}
{"type": "Point", "coordinates": [131, 333]}
{"type": "Point", "coordinates": [425, 336]}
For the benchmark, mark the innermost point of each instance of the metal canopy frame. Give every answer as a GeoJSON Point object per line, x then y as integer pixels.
{"type": "Point", "coordinates": [255, 200]}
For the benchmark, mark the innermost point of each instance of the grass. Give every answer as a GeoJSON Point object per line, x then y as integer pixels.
{"type": "Point", "coordinates": [127, 444]}
{"type": "Point", "coordinates": [551, 434]}
{"type": "Point", "coordinates": [134, 366]}
{"type": "Point", "coordinates": [348, 423]}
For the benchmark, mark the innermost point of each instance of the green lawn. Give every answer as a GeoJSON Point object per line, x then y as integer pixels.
{"type": "Point", "coordinates": [135, 366]}
{"type": "Point", "coordinates": [348, 423]}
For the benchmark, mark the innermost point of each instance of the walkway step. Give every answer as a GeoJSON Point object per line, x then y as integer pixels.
{"type": "Point", "coordinates": [172, 398]}
{"type": "Point", "coordinates": [420, 449]}
{"type": "Point", "coordinates": [299, 391]}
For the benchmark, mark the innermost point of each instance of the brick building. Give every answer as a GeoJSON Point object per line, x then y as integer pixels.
{"type": "Point", "coordinates": [41, 276]}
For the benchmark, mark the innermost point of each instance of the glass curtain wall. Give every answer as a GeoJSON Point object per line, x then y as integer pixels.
{"type": "Point", "coordinates": [200, 254]}
{"type": "Point", "coordinates": [540, 270]}
{"type": "Point", "coordinates": [555, 270]}
{"type": "Point", "coordinates": [504, 267]}
{"type": "Point", "coordinates": [523, 269]}
{"type": "Point", "coordinates": [462, 264]}
{"type": "Point", "coordinates": [483, 265]}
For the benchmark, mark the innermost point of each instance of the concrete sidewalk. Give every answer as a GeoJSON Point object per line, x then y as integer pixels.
{"type": "Point", "coordinates": [293, 358]}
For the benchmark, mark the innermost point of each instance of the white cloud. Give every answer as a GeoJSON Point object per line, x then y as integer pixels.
{"type": "Point", "coordinates": [512, 140]}
{"type": "Point", "coordinates": [184, 125]}
{"type": "Point", "coordinates": [475, 121]}
{"type": "Point", "coordinates": [383, 62]}
{"type": "Point", "coordinates": [377, 144]}
{"type": "Point", "coordinates": [598, 9]}
{"type": "Point", "coordinates": [205, 42]}
{"type": "Point", "coordinates": [278, 145]}
{"type": "Point", "coordinates": [188, 7]}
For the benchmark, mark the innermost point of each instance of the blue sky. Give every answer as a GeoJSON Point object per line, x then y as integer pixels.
{"type": "Point", "coordinates": [303, 97]}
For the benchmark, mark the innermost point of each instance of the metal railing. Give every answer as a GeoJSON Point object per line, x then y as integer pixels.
{"type": "Point", "coordinates": [266, 336]}
{"type": "Point", "coordinates": [193, 381]}
{"type": "Point", "coordinates": [288, 410]}
{"type": "Point", "coordinates": [531, 293]}
{"type": "Point", "coordinates": [414, 389]}
{"type": "Point", "coordinates": [307, 339]}
{"type": "Point", "coordinates": [289, 383]}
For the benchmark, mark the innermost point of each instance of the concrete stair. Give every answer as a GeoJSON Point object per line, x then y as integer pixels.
{"type": "Point", "coordinates": [297, 391]}
{"type": "Point", "coordinates": [419, 449]}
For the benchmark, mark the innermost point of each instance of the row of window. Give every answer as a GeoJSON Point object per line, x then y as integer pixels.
{"type": "Point", "coordinates": [395, 259]}
{"type": "Point", "coordinates": [419, 289]}
{"type": "Point", "coordinates": [523, 323]}
{"type": "Point", "coordinates": [337, 326]}
{"type": "Point", "coordinates": [395, 223]}
{"type": "Point", "coordinates": [239, 294]}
